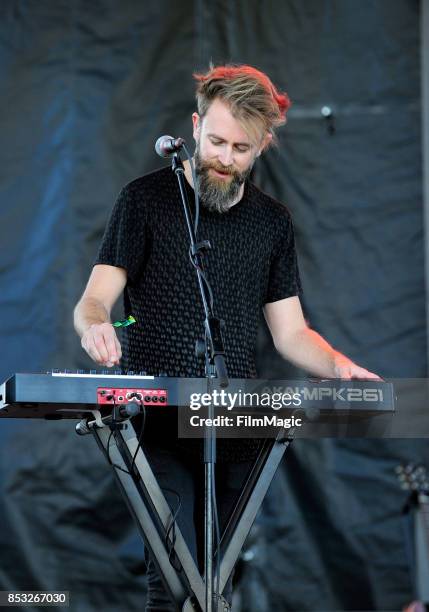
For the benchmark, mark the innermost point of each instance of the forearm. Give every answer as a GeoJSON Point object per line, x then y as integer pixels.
{"type": "Point", "coordinates": [308, 350]}
{"type": "Point", "coordinates": [89, 311]}
{"type": "Point", "coordinates": [305, 348]}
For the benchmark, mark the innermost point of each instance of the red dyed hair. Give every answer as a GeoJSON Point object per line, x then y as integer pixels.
{"type": "Point", "coordinates": [252, 96]}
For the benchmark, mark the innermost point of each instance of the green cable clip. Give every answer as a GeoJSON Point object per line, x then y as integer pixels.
{"type": "Point", "coordinates": [128, 321]}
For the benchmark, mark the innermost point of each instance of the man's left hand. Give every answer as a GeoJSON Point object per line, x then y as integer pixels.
{"type": "Point", "coordinates": [345, 368]}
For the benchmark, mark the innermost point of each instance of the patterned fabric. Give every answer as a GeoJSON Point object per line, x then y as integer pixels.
{"type": "Point", "coordinates": [252, 262]}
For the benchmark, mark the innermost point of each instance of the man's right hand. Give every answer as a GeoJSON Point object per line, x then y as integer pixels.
{"type": "Point", "coordinates": [92, 314]}
{"type": "Point", "coordinates": [102, 345]}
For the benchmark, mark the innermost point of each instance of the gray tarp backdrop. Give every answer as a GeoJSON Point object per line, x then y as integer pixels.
{"type": "Point", "coordinates": [86, 88]}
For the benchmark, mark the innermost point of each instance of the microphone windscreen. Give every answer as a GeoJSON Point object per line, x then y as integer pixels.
{"type": "Point", "coordinates": [159, 145]}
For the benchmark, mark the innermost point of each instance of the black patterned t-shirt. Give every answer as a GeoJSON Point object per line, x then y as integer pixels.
{"type": "Point", "coordinates": [252, 262]}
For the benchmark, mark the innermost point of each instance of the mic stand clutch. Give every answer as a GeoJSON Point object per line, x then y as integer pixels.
{"type": "Point", "coordinates": [214, 355]}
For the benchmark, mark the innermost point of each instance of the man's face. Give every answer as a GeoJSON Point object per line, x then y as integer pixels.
{"type": "Point", "coordinates": [224, 156]}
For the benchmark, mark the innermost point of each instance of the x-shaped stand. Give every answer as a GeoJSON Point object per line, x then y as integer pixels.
{"type": "Point", "coordinates": [153, 514]}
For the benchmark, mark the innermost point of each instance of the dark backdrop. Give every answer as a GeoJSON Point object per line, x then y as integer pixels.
{"type": "Point", "coordinates": [86, 90]}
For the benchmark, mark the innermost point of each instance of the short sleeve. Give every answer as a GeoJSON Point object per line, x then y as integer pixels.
{"type": "Point", "coordinates": [284, 280]}
{"type": "Point", "coordinates": [123, 244]}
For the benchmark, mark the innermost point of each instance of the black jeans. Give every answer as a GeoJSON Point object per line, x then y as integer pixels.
{"type": "Point", "coordinates": [179, 473]}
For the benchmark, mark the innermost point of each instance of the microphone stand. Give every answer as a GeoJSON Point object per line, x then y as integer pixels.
{"type": "Point", "coordinates": [214, 355]}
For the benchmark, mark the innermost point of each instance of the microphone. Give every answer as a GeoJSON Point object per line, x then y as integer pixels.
{"type": "Point", "coordinates": [166, 146]}
{"type": "Point", "coordinates": [125, 412]}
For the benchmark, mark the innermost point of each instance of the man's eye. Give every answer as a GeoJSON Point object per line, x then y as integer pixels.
{"type": "Point", "coordinates": [216, 142]}
{"type": "Point", "coordinates": [242, 149]}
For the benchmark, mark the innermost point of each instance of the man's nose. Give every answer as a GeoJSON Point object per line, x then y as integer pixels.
{"type": "Point", "coordinates": [226, 157]}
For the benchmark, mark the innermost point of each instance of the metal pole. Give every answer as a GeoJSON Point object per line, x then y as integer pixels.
{"type": "Point", "coordinates": [424, 63]}
{"type": "Point", "coordinates": [209, 475]}
{"type": "Point", "coordinates": [208, 532]}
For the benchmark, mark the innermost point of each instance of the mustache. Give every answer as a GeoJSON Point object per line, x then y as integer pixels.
{"type": "Point", "coordinates": [219, 168]}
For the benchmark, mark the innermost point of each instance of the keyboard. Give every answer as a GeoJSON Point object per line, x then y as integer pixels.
{"type": "Point", "coordinates": [67, 394]}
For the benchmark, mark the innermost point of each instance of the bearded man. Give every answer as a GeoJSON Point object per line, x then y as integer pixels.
{"type": "Point", "coordinates": [252, 266]}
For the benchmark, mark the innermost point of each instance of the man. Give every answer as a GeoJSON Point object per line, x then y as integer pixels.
{"type": "Point", "coordinates": [252, 265]}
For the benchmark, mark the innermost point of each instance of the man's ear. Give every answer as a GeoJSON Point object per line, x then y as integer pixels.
{"type": "Point", "coordinates": [265, 143]}
{"type": "Point", "coordinates": [196, 125]}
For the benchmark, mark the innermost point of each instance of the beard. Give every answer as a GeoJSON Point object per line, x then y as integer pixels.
{"type": "Point", "coordinates": [216, 194]}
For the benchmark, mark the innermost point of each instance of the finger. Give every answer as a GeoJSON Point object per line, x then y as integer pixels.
{"type": "Point", "coordinates": [90, 348]}
{"type": "Point", "coordinates": [344, 373]}
{"type": "Point", "coordinates": [118, 348]}
{"type": "Point", "coordinates": [373, 376]}
{"type": "Point", "coordinates": [109, 338]}
{"type": "Point", "coordinates": [362, 374]}
{"type": "Point", "coordinates": [100, 345]}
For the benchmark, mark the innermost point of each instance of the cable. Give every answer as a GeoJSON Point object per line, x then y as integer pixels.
{"type": "Point", "coordinates": [203, 276]}
{"type": "Point", "coordinates": [139, 441]}
{"type": "Point", "coordinates": [217, 532]}
{"type": "Point", "coordinates": [197, 200]}
{"type": "Point", "coordinates": [210, 293]}
{"type": "Point", "coordinates": [115, 465]}
{"type": "Point", "coordinates": [140, 438]}
{"type": "Point", "coordinates": [196, 223]}
{"type": "Point", "coordinates": [170, 543]}
{"type": "Point", "coordinates": [215, 510]}
{"type": "Point", "coordinates": [118, 467]}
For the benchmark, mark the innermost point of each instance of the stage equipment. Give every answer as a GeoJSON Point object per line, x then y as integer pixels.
{"type": "Point", "coordinates": [93, 397]}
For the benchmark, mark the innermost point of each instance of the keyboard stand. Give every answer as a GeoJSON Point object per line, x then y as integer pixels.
{"type": "Point", "coordinates": [153, 515]}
